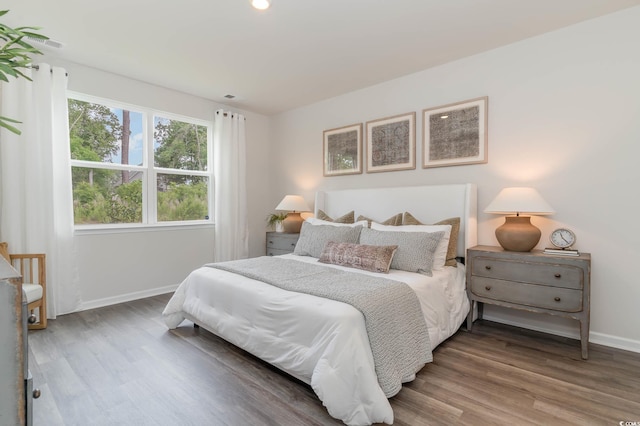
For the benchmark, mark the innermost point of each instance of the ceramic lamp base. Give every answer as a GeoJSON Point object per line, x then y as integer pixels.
{"type": "Point", "coordinates": [518, 234]}
{"type": "Point", "coordinates": [292, 223]}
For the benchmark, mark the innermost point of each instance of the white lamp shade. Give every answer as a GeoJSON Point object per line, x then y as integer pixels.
{"type": "Point", "coordinates": [293, 203]}
{"type": "Point", "coordinates": [519, 200]}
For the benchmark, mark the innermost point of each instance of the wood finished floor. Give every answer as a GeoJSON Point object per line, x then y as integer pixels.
{"type": "Point", "coordinates": [119, 365]}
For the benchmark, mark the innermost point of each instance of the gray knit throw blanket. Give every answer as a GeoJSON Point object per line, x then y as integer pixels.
{"type": "Point", "coordinates": [397, 331]}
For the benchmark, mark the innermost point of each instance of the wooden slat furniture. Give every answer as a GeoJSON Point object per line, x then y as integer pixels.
{"type": "Point", "coordinates": [33, 269]}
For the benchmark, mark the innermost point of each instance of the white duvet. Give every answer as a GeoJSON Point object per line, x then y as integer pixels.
{"type": "Point", "coordinates": [320, 341]}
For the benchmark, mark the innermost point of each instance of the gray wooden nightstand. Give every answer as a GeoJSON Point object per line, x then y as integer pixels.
{"type": "Point", "coordinates": [531, 281]}
{"type": "Point", "coordinates": [281, 243]}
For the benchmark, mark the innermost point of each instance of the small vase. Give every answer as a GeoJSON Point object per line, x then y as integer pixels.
{"type": "Point", "coordinates": [279, 227]}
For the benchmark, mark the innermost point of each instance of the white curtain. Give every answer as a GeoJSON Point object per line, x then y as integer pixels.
{"type": "Point", "coordinates": [229, 160]}
{"type": "Point", "coordinates": [36, 204]}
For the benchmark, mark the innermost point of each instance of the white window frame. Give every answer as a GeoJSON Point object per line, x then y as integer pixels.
{"type": "Point", "coordinates": [148, 170]}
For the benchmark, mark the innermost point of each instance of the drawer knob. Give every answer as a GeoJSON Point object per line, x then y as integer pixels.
{"type": "Point", "coordinates": [487, 287]}
{"type": "Point", "coordinates": [270, 242]}
{"type": "Point", "coordinates": [487, 267]}
{"type": "Point", "coordinates": [36, 393]}
{"type": "Point", "coordinates": [557, 275]}
{"type": "Point", "coordinates": [557, 299]}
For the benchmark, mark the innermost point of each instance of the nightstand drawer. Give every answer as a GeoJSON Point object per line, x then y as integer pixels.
{"type": "Point", "coordinates": [277, 252]}
{"type": "Point", "coordinates": [547, 274]}
{"type": "Point", "coordinates": [282, 241]}
{"type": "Point", "coordinates": [556, 298]}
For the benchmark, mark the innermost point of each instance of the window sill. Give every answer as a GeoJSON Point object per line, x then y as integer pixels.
{"type": "Point", "coordinates": [132, 228]}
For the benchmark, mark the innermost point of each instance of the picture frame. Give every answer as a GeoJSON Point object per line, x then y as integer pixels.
{"type": "Point", "coordinates": [455, 134]}
{"type": "Point", "coordinates": [391, 143]}
{"type": "Point", "coordinates": [342, 150]}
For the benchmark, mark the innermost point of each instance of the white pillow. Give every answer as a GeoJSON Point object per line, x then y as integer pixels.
{"type": "Point", "coordinates": [316, 221]}
{"type": "Point", "coordinates": [440, 255]}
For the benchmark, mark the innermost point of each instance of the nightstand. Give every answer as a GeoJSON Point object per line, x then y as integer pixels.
{"type": "Point", "coordinates": [281, 243]}
{"type": "Point", "coordinates": [532, 281]}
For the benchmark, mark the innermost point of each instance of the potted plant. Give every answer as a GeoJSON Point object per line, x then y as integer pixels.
{"type": "Point", "coordinates": [274, 220]}
{"type": "Point", "coordinates": [15, 55]}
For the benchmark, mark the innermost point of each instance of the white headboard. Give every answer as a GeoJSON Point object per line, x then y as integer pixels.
{"type": "Point", "coordinates": [428, 204]}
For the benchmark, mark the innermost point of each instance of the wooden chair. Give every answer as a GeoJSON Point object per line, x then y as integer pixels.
{"type": "Point", "coordinates": [32, 267]}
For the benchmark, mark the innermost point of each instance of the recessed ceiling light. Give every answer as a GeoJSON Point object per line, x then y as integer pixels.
{"type": "Point", "coordinates": [444, 116]}
{"type": "Point", "coordinates": [261, 4]}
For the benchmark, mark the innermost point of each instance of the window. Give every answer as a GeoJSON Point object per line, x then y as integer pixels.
{"type": "Point", "coordinates": [136, 166]}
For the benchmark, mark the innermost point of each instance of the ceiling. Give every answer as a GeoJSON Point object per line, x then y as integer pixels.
{"type": "Point", "coordinates": [297, 52]}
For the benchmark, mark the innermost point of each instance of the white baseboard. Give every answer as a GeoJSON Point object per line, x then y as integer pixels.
{"type": "Point", "coordinates": [594, 337]}
{"type": "Point", "coordinates": [128, 297]}
{"type": "Point", "coordinates": [615, 342]}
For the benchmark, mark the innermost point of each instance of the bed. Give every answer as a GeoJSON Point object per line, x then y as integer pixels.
{"type": "Point", "coordinates": [334, 344]}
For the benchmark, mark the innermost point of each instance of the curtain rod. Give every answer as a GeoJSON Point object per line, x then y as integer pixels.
{"type": "Point", "coordinates": [37, 68]}
{"type": "Point", "coordinates": [227, 113]}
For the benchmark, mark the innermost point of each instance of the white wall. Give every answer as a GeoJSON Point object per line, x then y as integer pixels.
{"type": "Point", "coordinates": [564, 114]}
{"type": "Point", "coordinates": [115, 267]}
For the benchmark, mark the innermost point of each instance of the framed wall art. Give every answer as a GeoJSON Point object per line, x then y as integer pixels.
{"type": "Point", "coordinates": [342, 150]}
{"type": "Point", "coordinates": [455, 134]}
{"type": "Point", "coordinates": [391, 143]}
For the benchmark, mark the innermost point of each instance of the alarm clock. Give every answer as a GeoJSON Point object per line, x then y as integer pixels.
{"type": "Point", "coordinates": [562, 238]}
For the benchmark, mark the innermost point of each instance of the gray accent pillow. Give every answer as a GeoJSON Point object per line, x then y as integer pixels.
{"type": "Point", "coordinates": [313, 238]}
{"type": "Point", "coordinates": [452, 250]}
{"type": "Point", "coordinates": [360, 256]}
{"type": "Point", "coordinates": [415, 251]}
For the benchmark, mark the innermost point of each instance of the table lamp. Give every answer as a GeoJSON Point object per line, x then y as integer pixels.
{"type": "Point", "coordinates": [517, 233]}
{"type": "Point", "coordinates": [293, 204]}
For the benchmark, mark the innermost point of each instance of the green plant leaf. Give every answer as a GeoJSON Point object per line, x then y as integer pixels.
{"type": "Point", "coordinates": [26, 31]}
{"type": "Point", "coordinates": [15, 55]}
{"type": "Point", "coordinates": [274, 218]}
{"type": "Point", "coordinates": [9, 119]}
{"type": "Point", "coordinates": [3, 123]}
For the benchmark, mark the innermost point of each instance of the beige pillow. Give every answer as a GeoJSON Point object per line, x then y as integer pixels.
{"type": "Point", "coordinates": [346, 218]}
{"type": "Point", "coordinates": [360, 256]}
{"type": "Point", "coordinates": [452, 251]}
{"type": "Point", "coordinates": [395, 220]}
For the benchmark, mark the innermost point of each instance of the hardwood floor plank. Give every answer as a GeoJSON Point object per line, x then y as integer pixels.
{"type": "Point", "coordinates": [119, 365]}
{"type": "Point", "coordinates": [570, 414]}
{"type": "Point", "coordinates": [256, 371]}
{"type": "Point", "coordinates": [416, 408]}
{"type": "Point", "coordinates": [594, 384]}
{"type": "Point", "coordinates": [478, 395]}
